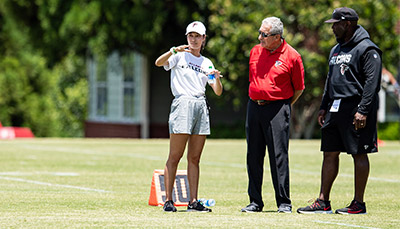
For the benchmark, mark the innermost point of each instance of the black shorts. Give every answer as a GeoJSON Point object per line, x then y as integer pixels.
{"type": "Point", "coordinates": [339, 134]}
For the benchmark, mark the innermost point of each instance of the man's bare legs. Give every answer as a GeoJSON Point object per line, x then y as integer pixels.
{"type": "Point", "coordinates": [361, 173]}
{"type": "Point", "coordinates": [329, 172]}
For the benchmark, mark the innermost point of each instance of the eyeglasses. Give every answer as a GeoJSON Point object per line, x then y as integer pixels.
{"type": "Point", "coordinates": [266, 35]}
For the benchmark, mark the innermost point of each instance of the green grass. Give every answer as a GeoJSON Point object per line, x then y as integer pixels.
{"type": "Point", "coordinates": [42, 184]}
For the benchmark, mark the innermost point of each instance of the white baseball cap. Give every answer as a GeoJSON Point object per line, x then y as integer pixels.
{"type": "Point", "coordinates": [197, 27]}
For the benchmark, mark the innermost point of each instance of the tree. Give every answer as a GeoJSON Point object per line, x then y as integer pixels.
{"type": "Point", "coordinates": [44, 45]}
{"type": "Point", "coordinates": [234, 25]}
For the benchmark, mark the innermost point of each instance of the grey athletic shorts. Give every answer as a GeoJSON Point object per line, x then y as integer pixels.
{"type": "Point", "coordinates": [189, 115]}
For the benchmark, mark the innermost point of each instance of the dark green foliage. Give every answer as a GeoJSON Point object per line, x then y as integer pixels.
{"type": "Point", "coordinates": [234, 26]}
{"type": "Point", "coordinates": [389, 131]}
{"type": "Point", "coordinates": [44, 45]}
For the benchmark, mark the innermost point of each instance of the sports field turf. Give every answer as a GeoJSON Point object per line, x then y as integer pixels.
{"type": "Point", "coordinates": [75, 183]}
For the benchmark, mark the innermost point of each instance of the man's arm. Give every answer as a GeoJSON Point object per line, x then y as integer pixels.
{"type": "Point", "coordinates": [296, 96]}
{"type": "Point", "coordinates": [297, 79]}
{"type": "Point", "coordinates": [372, 70]}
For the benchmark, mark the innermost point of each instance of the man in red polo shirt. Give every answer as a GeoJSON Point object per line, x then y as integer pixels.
{"type": "Point", "coordinates": [276, 81]}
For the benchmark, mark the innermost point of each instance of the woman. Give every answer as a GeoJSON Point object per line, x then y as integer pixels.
{"type": "Point", "coordinates": [189, 118]}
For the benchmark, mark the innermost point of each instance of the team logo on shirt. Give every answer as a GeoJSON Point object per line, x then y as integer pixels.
{"type": "Point", "coordinates": [340, 59]}
{"type": "Point", "coordinates": [277, 63]}
{"type": "Point", "coordinates": [194, 67]}
{"type": "Point", "coordinates": [343, 68]}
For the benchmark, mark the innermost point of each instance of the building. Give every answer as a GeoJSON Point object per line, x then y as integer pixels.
{"type": "Point", "coordinates": [127, 101]}
{"type": "Point", "coordinates": [119, 96]}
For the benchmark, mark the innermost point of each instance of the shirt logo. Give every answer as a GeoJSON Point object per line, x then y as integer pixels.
{"type": "Point", "coordinates": [340, 59]}
{"type": "Point", "coordinates": [277, 63]}
{"type": "Point", "coordinates": [343, 68]}
{"type": "Point", "coordinates": [194, 67]}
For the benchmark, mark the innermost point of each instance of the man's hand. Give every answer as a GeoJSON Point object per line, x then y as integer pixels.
{"type": "Point", "coordinates": [359, 121]}
{"type": "Point", "coordinates": [321, 117]}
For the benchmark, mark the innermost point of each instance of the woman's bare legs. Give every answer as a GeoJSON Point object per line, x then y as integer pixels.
{"type": "Point", "coordinates": [177, 148]}
{"type": "Point", "coordinates": [195, 148]}
{"type": "Point", "coordinates": [177, 145]}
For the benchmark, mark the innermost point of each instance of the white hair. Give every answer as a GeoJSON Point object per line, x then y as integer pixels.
{"type": "Point", "coordinates": [275, 24]}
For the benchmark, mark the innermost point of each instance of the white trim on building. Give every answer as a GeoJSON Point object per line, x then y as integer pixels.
{"type": "Point", "coordinates": [118, 88]}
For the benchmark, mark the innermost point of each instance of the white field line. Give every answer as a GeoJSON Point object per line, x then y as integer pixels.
{"type": "Point", "coordinates": [62, 174]}
{"type": "Point", "coordinates": [344, 224]}
{"type": "Point", "coordinates": [52, 185]}
{"type": "Point", "coordinates": [212, 163]}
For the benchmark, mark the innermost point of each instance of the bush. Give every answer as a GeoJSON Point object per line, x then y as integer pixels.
{"type": "Point", "coordinates": [235, 131]}
{"type": "Point", "coordinates": [389, 131]}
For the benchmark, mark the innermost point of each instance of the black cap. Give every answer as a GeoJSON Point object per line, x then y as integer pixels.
{"type": "Point", "coordinates": [343, 14]}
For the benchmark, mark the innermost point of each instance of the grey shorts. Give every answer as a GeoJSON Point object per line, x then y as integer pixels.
{"type": "Point", "coordinates": [189, 115]}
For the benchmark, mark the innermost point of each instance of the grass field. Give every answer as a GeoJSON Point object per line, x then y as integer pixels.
{"type": "Point", "coordinates": [70, 183]}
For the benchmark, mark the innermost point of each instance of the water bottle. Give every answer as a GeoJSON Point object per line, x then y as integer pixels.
{"type": "Point", "coordinates": [211, 77]}
{"type": "Point", "coordinates": [207, 203]}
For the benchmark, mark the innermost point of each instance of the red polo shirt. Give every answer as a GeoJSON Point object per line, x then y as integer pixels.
{"type": "Point", "coordinates": [276, 75]}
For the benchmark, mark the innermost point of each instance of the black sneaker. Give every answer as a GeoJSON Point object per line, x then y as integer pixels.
{"type": "Point", "coordinates": [354, 208]}
{"type": "Point", "coordinates": [319, 206]}
{"type": "Point", "coordinates": [197, 206]}
{"type": "Point", "coordinates": [169, 206]}
{"type": "Point", "coordinates": [252, 207]}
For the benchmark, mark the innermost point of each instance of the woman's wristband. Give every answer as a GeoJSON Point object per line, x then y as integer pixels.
{"type": "Point", "coordinates": [173, 51]}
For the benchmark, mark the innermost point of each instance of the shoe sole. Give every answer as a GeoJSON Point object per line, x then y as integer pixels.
{"type": "Point", "coordinates": [193, 210]}
{"type": "Point", "coordinates": [315, 212]}
{"type": "Point", "coordinates": [249, 211]}
{"type": "Point", "coordinates": [346, 213]}
{"type": "Point", "coordinates": [287, 212]}
{"type": "Point", "coordinates": [169, 211]}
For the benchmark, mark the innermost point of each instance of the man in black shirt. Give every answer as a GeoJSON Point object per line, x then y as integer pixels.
{"type": "Point", "coordinates": [348, 111]}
